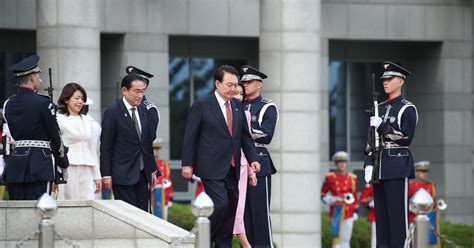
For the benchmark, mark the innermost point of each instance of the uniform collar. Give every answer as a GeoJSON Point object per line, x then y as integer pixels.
{"type": "Point", "coordinates": [256, 99]}
{"type": "Point", "coordinates": [25, 90]}
{"type": "Point", "coordinates": [396, 99]}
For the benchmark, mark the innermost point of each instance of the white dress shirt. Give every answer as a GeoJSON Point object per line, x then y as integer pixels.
{"type": "Point", "coordinates": [222, 105]}
{"type": "Point", "coordinates": [129, 108]}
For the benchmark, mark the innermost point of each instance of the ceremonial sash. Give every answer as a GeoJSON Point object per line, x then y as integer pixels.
{"type": "Point", "coordinates": [434, 221]}
{"type": "Point", "coordinates": [107, 194]}
{"type": "Point", "coordinates": [336, 223]}
{"type": "Point", "coordinates": [158, 201]}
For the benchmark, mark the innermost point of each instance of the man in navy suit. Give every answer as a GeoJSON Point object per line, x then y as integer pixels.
{"type": "Point", "coordinates": [126, 163]}
{"type": "Point", "coordinates": [216, 132]}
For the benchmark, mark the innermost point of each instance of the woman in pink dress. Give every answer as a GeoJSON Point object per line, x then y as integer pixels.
{"type": "Point", "coordinates": [246, 176]}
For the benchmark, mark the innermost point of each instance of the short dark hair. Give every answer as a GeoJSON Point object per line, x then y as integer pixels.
{"type": "Point", "coordinates": [223, 69]}
{"type": "Point", "coordinates": [22, 80]}
{"type": "Point", "coordinates": [129, 78]}
{"type": "Point", "coordinates": [67, 92]}
{"type": "Point", "coordinates": [244, 94]}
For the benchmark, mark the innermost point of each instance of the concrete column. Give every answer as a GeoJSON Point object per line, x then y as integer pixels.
{"type": "Point", "coordinates": [472, 106]}
{"type": "Point", "coordinates": [149, 51]}
{"type": "Point", "coordinates": [68, 41]}
{"type": "Point", "coordinates": [290, 55]}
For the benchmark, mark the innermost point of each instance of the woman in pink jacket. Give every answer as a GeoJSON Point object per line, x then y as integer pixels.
{"type": "Point", "coordinates": [247, 175]}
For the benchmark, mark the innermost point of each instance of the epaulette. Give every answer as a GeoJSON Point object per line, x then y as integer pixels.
{"type": "Point", "coordinates": [381, 103]}
{"type": "Point", "coordinates": [11, 96]}
{"type": "Point", "coordinates": [330, 174]}
{"type": "Point", "coordinates": [352, 175]}
{"type": "Point", "coordinates": [406, 102]}
{"type": "Point", "coordinates": [266, 100]}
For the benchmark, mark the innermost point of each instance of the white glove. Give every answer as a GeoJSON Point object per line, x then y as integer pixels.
{"type": "Point", "coordinates": [371, 204]}
{"type": "Point", "coordinates": [327, 199]}
{"type": "Point", "coordinates": [375, 121]}
{"type": "Point", "coordinates": [368, 173]}
{"type": "Point", "coordinates": [355, 216]}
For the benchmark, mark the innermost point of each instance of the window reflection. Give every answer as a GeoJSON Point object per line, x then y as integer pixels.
{"type": "Point", "coordinates": [190, 78]}
{"type": "Point", "coordinates": [179, 90]}
{"type": "Point", "coordinates": [350, 89]}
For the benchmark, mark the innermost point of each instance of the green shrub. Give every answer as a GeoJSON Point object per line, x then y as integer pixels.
{"type": "Point", "coordinates": [461, 235]}
{"type": "Point", "coordinates": [180, 214]}
{"type": "Point", "coordinates": [360, 232]}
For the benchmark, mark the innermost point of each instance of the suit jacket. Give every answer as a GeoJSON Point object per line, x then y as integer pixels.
{"type": "Point", "coordinates": [120, 147]}
{"type": "Point", "coordinates": [208, 145]}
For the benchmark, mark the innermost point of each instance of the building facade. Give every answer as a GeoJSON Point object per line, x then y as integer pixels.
{"type": "Point", "coordinates": [319, 55]}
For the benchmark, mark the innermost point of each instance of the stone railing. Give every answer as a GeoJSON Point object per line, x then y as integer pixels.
{"type": "Point", "coordinates": [90, 224]}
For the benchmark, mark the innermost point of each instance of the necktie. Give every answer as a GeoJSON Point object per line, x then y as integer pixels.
{"type": "Point", "coordinates": [135, 121]}
{"type": "Point", "coordinates": [228, 112]}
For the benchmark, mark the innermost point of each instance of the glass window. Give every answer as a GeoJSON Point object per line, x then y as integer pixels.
{"type": "Point", "coordinates": [350, 93]}
{"type": "Point", "coordinates": [179, 90]}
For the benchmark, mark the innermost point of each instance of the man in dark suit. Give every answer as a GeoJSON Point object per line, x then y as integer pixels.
{"type": "Point", "coordinates": [215, 134]}
{"type": "Point", "coordinates": [126, 163]}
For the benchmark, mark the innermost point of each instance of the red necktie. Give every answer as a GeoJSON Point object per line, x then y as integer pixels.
{"type": "Point", "coordinates": [228, 112]}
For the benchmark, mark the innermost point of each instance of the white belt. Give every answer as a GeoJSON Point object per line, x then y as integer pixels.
{"type": "Point", "coordinates": [33, 143]}
{"type": "Point", "coordinates": [261, 145]}
{"type": "Point", "coordinates": [389, 145]}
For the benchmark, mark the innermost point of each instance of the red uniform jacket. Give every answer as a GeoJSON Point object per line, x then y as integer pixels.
{"type": "Point", "coordinates": [165, 170]}
{"type": "Point", "coordinates": [414, 186]}
{"type": "Point", "coordinates": [367, 196]}
{"type": "Point", "coordinates": [338, 185]}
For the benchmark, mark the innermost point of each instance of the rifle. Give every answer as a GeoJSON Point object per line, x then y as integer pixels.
{"type": "Point", "coordinates": [373, 145]}
{"type": "Point", "coordinates": [58, 175]}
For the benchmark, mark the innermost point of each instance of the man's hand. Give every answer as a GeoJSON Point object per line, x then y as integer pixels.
{"type": "Point", "coordinates": [154, 180]}
{"type": "Point", "coordinates": [255, 166]}
{"type": "Point", "coordinates": [107, 182]}
{"type": "Point", "coordinates": [368, 173]}
{"type": "Point", "coordinates": [98, 186]}
{"type": "Point", "coordinates": [187, 172]}
{"type": "Point", "coordinates": [253, 180]}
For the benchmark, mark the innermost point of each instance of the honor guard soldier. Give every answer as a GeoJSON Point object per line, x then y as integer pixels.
{"type": "Point", "coordinates": [264, 116]}
{"type": "Point", "coordinates": [339, 191]}
{"type": "Point", "coordinates": [421, 182]}
{"type": "Point", "coordinates": [367, 198]}
{"type": "Point", "coordinates": [396, 128]}
{"type": "Point", "coordinates": [31, 119]}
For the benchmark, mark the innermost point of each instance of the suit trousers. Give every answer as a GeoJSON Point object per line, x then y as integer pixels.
{"type": "Point", "coordinates": [391, 211]}
{"type": "Point", "coordinates": [28, 191]}
{"type": "Point", "coordinates": [225, 195]}
{"type": "Point", "coordinates": [258, 225]}
{"type": "Point", "coordinates": [137, 194]}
